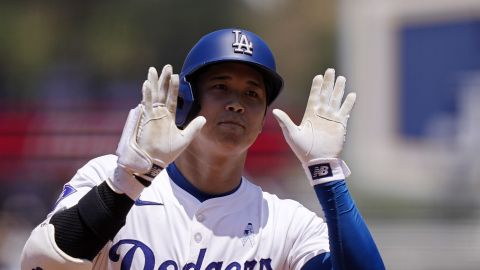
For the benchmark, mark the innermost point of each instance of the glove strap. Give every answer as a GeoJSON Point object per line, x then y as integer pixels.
{"type": "Point", "coordinates": [323, 170]}
{"type": "Point", "coordinates": [150, 175]}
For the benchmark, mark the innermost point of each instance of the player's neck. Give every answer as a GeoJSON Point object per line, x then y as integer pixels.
{"type": "Point", "coordinates": [212, 174]}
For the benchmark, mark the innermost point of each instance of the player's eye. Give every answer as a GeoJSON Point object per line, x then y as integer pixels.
{"type": "Point", "coordinates": [219, 86]}
{"type": "Point", "coordinates": [252, 93]}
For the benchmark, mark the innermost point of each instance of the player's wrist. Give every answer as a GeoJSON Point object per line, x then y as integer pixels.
{"type": "Point", "coordinates": [125, 182]}
{"type": "Point", "coordinates": [323, 170]}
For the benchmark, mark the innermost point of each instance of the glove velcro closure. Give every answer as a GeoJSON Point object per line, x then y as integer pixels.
{"type": "Point", "coordinates": [323, 170]}
{"type": "Point", "coordinates": [150, 175]}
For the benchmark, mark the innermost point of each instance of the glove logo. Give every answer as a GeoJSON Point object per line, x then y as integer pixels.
{"type": "Point", "coordinates": [320, 171]}
{"type": "Point", "coordinates": [154, 171]}
{"type": "Point", "coordinates": [241, 43]}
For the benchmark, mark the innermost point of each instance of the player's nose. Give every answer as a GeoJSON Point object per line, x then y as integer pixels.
{"type": "Point", "coordinates": [235, 106]}
{"type": "Point", "coordinates": [234, 101]}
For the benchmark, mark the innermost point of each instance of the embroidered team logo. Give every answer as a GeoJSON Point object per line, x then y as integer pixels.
{"type": "Point", "coordinates": [248, 235]}
{"type": "Point", "coordinates": [241, 43]}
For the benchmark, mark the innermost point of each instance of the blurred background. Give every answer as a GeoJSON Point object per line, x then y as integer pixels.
{"type": "Point", "coordinates": [69, 73]}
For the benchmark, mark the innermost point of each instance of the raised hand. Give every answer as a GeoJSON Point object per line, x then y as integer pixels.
{"type": "Point", "coordinates": [150, 138]}
{"type": "Point", "coordinates": [321, 133]}
{"type": "Point", "coordinates": [158, 136]}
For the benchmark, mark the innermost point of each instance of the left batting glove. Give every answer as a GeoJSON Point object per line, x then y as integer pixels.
{"type": "Point", "coordinates": [150, 139]}
{"type": "Point", "coordinates": [318, 140]}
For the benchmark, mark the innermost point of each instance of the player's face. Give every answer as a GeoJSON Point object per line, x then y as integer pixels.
{"type": "Point", "coordinates": [233, 100]}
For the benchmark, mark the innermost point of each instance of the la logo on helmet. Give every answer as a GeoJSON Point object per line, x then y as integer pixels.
{"type": "Point", "coordinates": [242, 44]}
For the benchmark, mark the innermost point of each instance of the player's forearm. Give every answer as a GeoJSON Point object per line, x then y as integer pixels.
{"type": "Point", "coordinates": [351, 244]}
{"type": "Point", "coordinates": [82, 230]}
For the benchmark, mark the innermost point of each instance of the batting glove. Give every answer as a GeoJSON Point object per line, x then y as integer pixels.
{"type": "Point", "coordinates": [318, 140]}
{"type": "Point", "coordinates": [150, 139]}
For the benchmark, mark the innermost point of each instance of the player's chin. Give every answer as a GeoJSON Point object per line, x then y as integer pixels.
{"type": "Point", "coordinates": [233, 142]}
{"type": "Point", "coordinates": [231, 130]}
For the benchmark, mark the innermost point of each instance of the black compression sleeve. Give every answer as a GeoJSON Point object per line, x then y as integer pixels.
{"type": "Point", "coordinates": [82, 230]}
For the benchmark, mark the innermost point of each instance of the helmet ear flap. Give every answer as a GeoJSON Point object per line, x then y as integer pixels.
{"type": "Point", "coordinates": [188, 104]}
{"type": "Point", "coordinates": [194, 107]}
{"type": "Point", "coordinates": [180, 102]}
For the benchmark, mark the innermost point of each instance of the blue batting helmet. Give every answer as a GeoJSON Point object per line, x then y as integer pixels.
{"type": "Point", "coordinates": [222, 46]}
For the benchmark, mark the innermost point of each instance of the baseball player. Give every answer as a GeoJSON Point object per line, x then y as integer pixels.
{"type": "Point", "coordinates": [173, 197]}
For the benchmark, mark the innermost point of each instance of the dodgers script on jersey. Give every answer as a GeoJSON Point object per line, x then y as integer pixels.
{"type": "Point", "coordinates": [168, 228]}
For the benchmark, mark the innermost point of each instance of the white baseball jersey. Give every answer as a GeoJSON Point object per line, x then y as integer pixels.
{"type": "Point", "coordinates": [168, 228]}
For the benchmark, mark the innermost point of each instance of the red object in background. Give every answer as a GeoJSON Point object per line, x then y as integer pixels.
{"type": "Point", "coordinates": [270, 153]}
{"type": "Point", "coordinates": [38, 143]}
{"type": "Point", "coordinates": [49, 143]}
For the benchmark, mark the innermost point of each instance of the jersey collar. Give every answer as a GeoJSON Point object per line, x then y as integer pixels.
{"type": "Point", "coordinates": [180, 180]}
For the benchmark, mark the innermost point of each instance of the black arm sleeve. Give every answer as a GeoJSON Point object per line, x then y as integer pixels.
{"type": "Point", "coordinates": [82, 230]}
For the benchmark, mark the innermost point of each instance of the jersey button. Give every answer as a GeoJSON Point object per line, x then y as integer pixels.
{"type": "Point", "coordinates": [198, 237]}
{"type": "Point", "coordinates": [200, 217]}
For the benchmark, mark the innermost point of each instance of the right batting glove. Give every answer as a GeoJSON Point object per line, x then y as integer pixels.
{"type": "Point", "coordinates": [150, 138]}
{"type": "Point", "coordinates": [318, 140]}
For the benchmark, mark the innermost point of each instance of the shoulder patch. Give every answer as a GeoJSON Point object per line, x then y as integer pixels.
{"type": "Point", "coordinates": [67, 191]}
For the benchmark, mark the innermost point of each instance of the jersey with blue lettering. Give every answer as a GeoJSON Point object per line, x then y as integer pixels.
{"type": "Point", "coordinates": [168, 228]}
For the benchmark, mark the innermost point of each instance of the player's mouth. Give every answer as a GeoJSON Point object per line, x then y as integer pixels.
{"type": "Point", "coordinates": [231, 123]}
